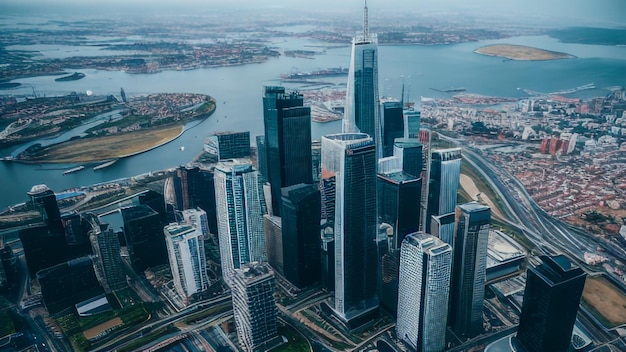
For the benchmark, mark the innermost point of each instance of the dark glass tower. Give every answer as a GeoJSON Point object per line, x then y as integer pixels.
{"type": "Point", "coordinates": [398, 193]}
{"type": "Point", "coordinates": [445, 173]}
{"type": "Point", "coordinates": [261, 153]}
{"type": "Point", "coordinates": [143, 232]}
{"type": "Point", "coordinates": [351, 158]}
{"type": "Point", "coordinates": [301, 234]}
{"type": "Point", "coordinates": [392, 125]}
{"type": "Point", "coordinates": [288, 141]}
{"type": "Point", "coordinates": [551, 299]}
{"type": "Point", "coordinates": [45, 201]}
{"type": "Point", "coordinates": [469, 269]}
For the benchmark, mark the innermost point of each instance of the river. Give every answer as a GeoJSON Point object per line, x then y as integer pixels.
{"type": "Point", "coordinates": [238, 91]}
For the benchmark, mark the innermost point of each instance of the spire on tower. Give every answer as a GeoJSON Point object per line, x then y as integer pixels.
{"type": "Point", "coordinates": [366, 31]}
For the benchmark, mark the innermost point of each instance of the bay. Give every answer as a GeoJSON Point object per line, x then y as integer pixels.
{"type": "Point", "coordinates": [238, 91]}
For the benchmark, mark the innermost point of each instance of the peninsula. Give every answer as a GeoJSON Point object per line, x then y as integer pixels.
{"type": "Point", "coordinates": [122, 129]}
{"type": "Point", "coordinates": [521, 53]}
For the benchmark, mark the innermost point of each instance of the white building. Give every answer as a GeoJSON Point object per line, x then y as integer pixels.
{"type": "Point", "coordinates": [424, 287]}
{"type": "Point", "coordinates": [185, 250]}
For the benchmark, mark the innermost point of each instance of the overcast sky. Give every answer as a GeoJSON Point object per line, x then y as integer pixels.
{"type": "Point", "coordinates": [612, 12]}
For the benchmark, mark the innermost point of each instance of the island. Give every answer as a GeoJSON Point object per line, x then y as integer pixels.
{"type": "Point", "coordinates": [121, 128]}
{"type": "Point", "coordinates": [521, 53]}
{"type": "Point", "coordinates": [73, 77]}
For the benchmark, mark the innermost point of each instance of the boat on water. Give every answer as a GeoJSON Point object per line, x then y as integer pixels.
{"type": "Point", "coordinates": [102, 166]}
{"type": "Point", "coordinates": [74, 169]}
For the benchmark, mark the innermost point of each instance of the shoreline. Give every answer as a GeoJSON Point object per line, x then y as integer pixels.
{"type": "Point", "coordinates": [516, 52]}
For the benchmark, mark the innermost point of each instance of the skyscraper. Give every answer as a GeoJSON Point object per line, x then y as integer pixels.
{"type": "Point", "coordinates": [468, 274]}
{"type": "Point", "coordinates": [240, 215]}
{"type": "Point", "coordinates": [45, 202]}
{"type": "Point", "coordinates": [301, 234]}
{"type": "Point", "coordinates": [288, 141]}
{"type": "Point", "coordinates": [228, 145]}
{"type": "Point", "coordinates": [185, 249]}
{"type": "Point", "coordinates": [551, 299]}
{"type": "Point", "coordinates": [425, 264]}
{"type": "Point", "coordinates": [351, 158]}
{"type": "Point", "coordinates": [445, 173]}
{"type": "Point", "coordinates": [143, 232]}
{"type": "Point", "coordinates": [392, 125]}
{"type": "Point", "coordinates": [361, 111]}
{"type": "Point", "coordinates": [254, 307]}
{"type": "Point", "coordinates": [107, 259]}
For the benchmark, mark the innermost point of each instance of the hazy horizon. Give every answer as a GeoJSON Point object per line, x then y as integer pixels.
{"type": "Point", "coordinates": [579, 12]}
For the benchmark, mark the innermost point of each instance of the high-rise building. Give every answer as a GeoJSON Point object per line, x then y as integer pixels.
{"type": "Point", "coordinates": [42, 248]}
{"type": "Point", "coordinates": [351, 159]}
{"type": "Point", "coordinates": [197, 218]}
{"type": "Point", "coordinates": [191, 188]}
{"type": "Point", "coordinates": [361, 110]}
{"type": "Point", "coordinates": [107, 259]}
{"type": "Point", "coordinates": [413, 123]}
{"type": "Point", "coordinates": [425, 264]}
{"type": "Point", "coordinates": [469, 270]}
{"type": "Point", "coordinates": [301, 234]}
{"type": "Point", "coordinates": [185, 248]}
{"type": "Point", "coordinates": [228, 145]}
{"type": "Point", "coordinates": [254, 307]}
{"type": "Point", "coordinates": [261, 154]}
{"type": "Point", "coordinates": [288, 141]}
{"type": "Point", "coordinates": [316, 161]}
{"type": "Point", "coordinates": [44, 200]}
{"type": "Point", "coordinates": [240, 215]}
{"type": "Point", "coordinates": [445, 174]}
{"type": "Point", "coordinates": [143, 232]}
{"type": "Point", "coordinates": [411, 154]}
{"type": "Point", "coordinates": [551, 299]}
{"type": "Point", "coordinates": [392, 124]}
{"type": "Point", "coordinates": [274, 242]}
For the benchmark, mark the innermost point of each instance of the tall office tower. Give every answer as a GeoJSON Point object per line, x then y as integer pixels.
{"type": "Point", "coordinates": [301, 234]}
{"type": "Point", "coordinates": [425, 263]}
{"type": "Point", "coordinates": [240, 215]}
{"type": "Point", "coordinates": [42, 248]}
{"type": "Point", "coordinates": [107, 259]}
{"type": "Point", "coordinates": [316, 161]}
{"type": "Point", "coordinates": [445, 174]}
{"type": "Point", "coordinates": [361, 111]}
{"type": "Point", "coordinates": [44, 200]}
{"type": "Point", "coordinates": [288, 141]}
{"type": "Point", "coordinates": [198, 219]}
{"type": "Point", "coordinates": [392, 125]}
{"type": "Point", "coordinates": [468, 274]}
{"type": "Point", "coordinates": [143, 232]}
{"type": "Point", "coordinates": [228, 145]}
{"type": "Point", "coordinates": [551, 299]}
{"type": "Point", "coordinates": [413, 122]}
{"type": "Point", "coordinates": [424, 137]}
{"type": "Point", "coordinates": [254, 307]}
{"type": "Point", "coordinates": [76, 235]}
{"type": "Point", "coordinates": [261, 154]}
{"type": "Point", "coordinates": [351, 158]}
{"type": "Point", "coordinates": [411, 154]}
{"type": "Point", "coordinates": [185, 249]}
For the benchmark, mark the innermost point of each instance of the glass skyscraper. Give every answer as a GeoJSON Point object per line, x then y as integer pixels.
{"type": "Point", "coordinates": [287, 141]}
{"type": "Point", "coordinates": [351, 159]}
{"type": "Point", "coordinates": [185, 247]}
{"type": "Point", "coordinates": [107, 259]}
{"type": "Point", "coordinates": [361, 110]}
{"type": "Point", "coordinates": [425, 264]}
{"type": "Point", "coordinates": [240, 215]}
{"type": "Point", "coordinates": [445, 174]}
{"type": "Point", "coordinates": [551, 299]}
{"type": "Point", "coordinates": [392, 126]}
{"type": "Point", "coordinates": [469, 270]}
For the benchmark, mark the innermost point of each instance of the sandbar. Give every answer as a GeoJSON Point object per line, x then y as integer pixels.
{"type": "Point", "coordinates": [521, 53]}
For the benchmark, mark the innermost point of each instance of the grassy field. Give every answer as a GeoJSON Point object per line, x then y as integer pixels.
{"type": "Point", "coordinates": [520, 52]}
{"type": "Point", "coordinates": [607, 300]}
{"type": "Point", "coordinates": [106, 147]}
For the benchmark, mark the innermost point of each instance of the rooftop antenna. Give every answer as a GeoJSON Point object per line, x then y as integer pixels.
{"type": "Point", "coordinates": [365, 24]}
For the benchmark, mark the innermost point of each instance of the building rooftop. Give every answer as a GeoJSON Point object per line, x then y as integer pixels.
{"type": "Point", "coordinates": [254, 271]}
{"type": "Point", "coordinates": [502, 248]}
{"type": "Point", "coordinates": [38, 189]}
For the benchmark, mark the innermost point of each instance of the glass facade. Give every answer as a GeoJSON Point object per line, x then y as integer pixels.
{"type": "Point", "coordinates": [551, 300]}
{"type": "Point", "coordinates": [425, 266]}
{"type": "Point", "coordinates": [185, 247]}
{"type": "Point", "coordinates": [143, 231]}
{"type": "Point", "coordinates": [351, 158]}
{"type": "Point", "coordinates": [288, 141]}
{"type": "Point", "coordinates": [240, 215]}
{"type": "Point", "coordinates": [392, 127]}
{"type": "Point", "coordinates": [469, 271]}
{"type": "Point", "coordinates": [445, 174]}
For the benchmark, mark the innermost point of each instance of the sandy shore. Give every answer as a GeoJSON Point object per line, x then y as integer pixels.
{"type": "Point", "coordinates": [107, 147]}
{"type": "Point", "coordinates": [470, 187]}
{"type": "Point", "coordinates": [521, 52]}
